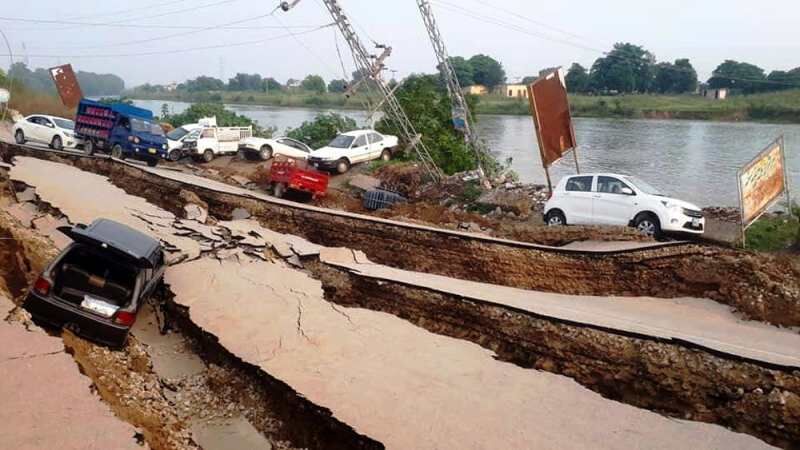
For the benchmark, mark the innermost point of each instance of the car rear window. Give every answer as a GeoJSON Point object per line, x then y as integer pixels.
{"type": "Point", "coordinates": [579, 184]}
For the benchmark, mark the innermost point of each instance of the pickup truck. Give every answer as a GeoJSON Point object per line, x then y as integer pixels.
{"type": "Point", "coordinates": [124, 130]}
{"type": "Point", "coordinates": [351, 148]}
{"type": "Point", "coordinates": [210, 142]}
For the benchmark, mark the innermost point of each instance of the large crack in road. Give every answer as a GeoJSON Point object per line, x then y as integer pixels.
{"type": "Point", "coordinates": [686, 393]}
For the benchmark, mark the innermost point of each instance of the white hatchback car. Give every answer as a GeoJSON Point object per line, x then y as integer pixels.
{"type": "Point", "coordinates": [351, 148]}
{"type": "Point", "coordinates": [611, 199]}
{"type": "Point", "coordinates": [56, 132]}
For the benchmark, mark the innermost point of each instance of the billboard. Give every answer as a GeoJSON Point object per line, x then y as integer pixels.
{"type": "Point", "coordinates": [551, 116]}
{"type": "Point", "coordinates": [67, 85]}
{"type": "Point", "coordinates": [762, 182]}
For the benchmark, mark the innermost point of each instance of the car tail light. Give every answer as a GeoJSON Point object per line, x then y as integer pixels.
{"type": "Point", "coordinates": [42, 286]}
{"type": "Point", "coordinates": [124, 318]}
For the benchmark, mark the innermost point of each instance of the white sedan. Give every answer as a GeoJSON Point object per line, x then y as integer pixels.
{"type": "Point", "coordinates": [266, 149]}
{"type": "Point", "coordinates": [611, 199]}
{"type": "Point", "coordinates": [56, 132]}
{"type": "Point", "coordinates": [353, 147]}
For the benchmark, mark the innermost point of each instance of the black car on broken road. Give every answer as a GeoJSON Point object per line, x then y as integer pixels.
{"type": "Point", "coordinates": [97, 284]}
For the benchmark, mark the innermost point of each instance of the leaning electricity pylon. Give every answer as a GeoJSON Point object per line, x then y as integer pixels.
{"type": "Point", "coordinates": [372, 66]}
{"type": "Point", "coordinates": [462, 119]}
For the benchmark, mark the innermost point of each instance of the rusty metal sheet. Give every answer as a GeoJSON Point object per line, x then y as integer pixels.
{"type": "Point", "coordinates": [762, 181]}
{"type": "Point", "coordinates": [551, 116]}
{"type": "Point", "coordinates": [67, 84]}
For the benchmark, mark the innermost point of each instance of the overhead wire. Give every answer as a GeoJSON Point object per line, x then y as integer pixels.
{"type": "Point", "coordinates": [183, 50]}
{"type": "Point", "coordinates": [141, 26]}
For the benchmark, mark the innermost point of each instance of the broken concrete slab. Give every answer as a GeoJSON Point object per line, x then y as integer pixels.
{"type": "Point", "coordinates": [47, 403]}
{"type": "Point", "coordinates": [240, 214]}
{"type": "Point", "coordinates": [371, 369]}
{"type": "Point", "coordinates": [285, 245]}
{"type": "Point", "coordinates": [206, 231]}
{"type": "Point", "coordinates": [364, 182]}
{"type": "Point", "coordinates": [195, 212]}
{"type": "Point", "coordinates": [24, 213]}
{"type": "Point", "coordinates": [170, 353]}
{"type": "Point", "coordinates": [27, 195]}
{"type": "Point", "coordinates": [232, 434]}
{"type": "Point", "coordinates": [48, 226]}
{"type": "Point", "coordinates": [698, 321]}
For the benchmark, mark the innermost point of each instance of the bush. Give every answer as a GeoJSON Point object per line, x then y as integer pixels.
{"type": "Point", "coordinates": [225, 118]}
{"type": "Point", "coordinates": [320, 131]}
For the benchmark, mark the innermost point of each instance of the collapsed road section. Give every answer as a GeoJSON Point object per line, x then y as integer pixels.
{"type": "Point", "coordinates": [355, 362]}
{"type": "Point", "coordinates": [761, 287]}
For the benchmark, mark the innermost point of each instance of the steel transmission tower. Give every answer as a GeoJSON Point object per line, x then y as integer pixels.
{"type": "Point", "coordinates": [461, 115]}
{"type": "Point", "coordinates": [372, 66]}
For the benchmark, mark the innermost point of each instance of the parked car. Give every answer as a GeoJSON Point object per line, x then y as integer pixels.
{"type": "Point", "coordinates": [97, 284]}
{"type": "Point", "coordinates": [56, 132]}
{"type": "Point", "coordinates": [611, 199]}
{"type": "Point", "coordinates": [351, 148]}
{"type": "Point", "coordinates": [177, 137]}
{"type": "Point", "coordinates": [124, 130]}
{"type": "Point", "coordinates": [266, 149]}
{"type": "Point", "coordinates": [214, 141]}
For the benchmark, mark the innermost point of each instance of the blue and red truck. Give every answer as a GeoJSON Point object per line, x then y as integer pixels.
{"type": "Point", "coordinates": [123, 130]}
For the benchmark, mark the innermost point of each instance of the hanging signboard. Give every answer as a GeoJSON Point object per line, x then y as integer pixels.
{"type": "Point", "coordinates": [762, 182]}
{"type": "Point", "coordinates": [551, 116]}
{"type": "Point", "coordinates": [67, 85]}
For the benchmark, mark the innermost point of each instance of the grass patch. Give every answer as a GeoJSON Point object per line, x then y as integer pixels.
{"type": "Point", "coordinates": [775, 233]}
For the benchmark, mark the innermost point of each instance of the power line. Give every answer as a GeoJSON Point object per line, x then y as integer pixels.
{"type": "Point", "coordinates": [507, 25]}
{"type": "Point", "coordinates": [184, 50]}
{"type": "Point", "coordinates": [141, 26]}
{"type": "Point", "coordinates": [536, 22]}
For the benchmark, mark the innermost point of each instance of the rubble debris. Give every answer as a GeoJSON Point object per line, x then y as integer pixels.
{"type": "Point", "coordinates": [240, 214]}
{"type": "Point", "coordinates": [195, 212]}
{"type": "Point", "coordinates": [27, 195]}
{"type": "Point", "coordinates": [507, 201]}
{"type": "Point", "coordinates": [24, 213]}
{"type": "Point", "coordinates": [364, 182]}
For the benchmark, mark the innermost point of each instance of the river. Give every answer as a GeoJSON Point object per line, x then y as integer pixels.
{"type": "Point", "coordinates": [692, 160]}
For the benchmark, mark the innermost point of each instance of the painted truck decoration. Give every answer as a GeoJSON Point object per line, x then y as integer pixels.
{"type": "Point", "coordinates": [123, 130]}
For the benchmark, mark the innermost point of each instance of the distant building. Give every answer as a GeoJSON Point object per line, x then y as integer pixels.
{"type": "Point", "coordinates": [293, 84]}
{"type": "Point", "coordinates": [476, 89]}
{"type": "Point", "coordinates": [171, 86]}
{"type": "Point", "coordinates": [515, 91]}
{"type": "Point", "coordinates": [714, 94]}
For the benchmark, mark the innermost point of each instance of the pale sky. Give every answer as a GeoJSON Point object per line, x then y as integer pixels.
{"type": "Point", "coordinates": [511, 30]}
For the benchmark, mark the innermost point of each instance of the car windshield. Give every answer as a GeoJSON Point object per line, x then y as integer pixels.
{"type": "Point", "coordinates": [177, 134]}
{"type": "Point", "coordinates": [64, 123]}
{"type": "Point", "coordinates": [342, 141]}
{"type": "Point", "coordinates": [145, 126]}
{"type": "Point", "coordinates": [644, 187]}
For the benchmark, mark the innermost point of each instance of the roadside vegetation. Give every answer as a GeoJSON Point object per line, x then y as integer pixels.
{"type": "Point", "coordinates": [775, 233]}
{"type": "Point", "coordinates": [225, 118]}
{"type": "Point", "coordinates": [29, 101]}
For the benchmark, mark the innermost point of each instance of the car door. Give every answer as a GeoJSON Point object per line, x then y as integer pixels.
{"type": "Point", "coordinates": [577, 199]}
{"type": "Point", "coordinates": [290, 148]}
{"type": "Point", "coordinates": [360, 149]}
{"type": "Point", "coordinates": [376, 145]}
{"type": "Point", "coordinates": [614, 202]}
{"type": "Point", "coordinates": [34, 129]}
{"type": "Point", "coordinates": [48, 129]}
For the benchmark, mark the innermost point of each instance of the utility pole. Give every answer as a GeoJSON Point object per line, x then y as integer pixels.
{"type": "Point", "coordinates": [461, 115]}
{"type": "Point", "coordinates": [372, 66]}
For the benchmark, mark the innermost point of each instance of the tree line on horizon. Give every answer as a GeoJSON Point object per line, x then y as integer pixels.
{"type": "Point", "coordinates": [92, 84]}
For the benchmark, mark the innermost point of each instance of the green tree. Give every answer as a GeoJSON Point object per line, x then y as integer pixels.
{"type": "Point", "coordinates": [272, 85]}
{"type": "Point", "coordinates": [487, 71]}
{"type": "Point", "coordinates": [320, 131]}
{"type": "Point", "coordinates": [225, 118]}
{"type": "Point", "coordinates": [245, 82]}
{"type": "Point", "coordinates": [782, 80]}
{"type": "Point", "coordinates": [464, 71]}
{"type": "Point", "coordinates": [202, 84]}
{"type": "Point", "coordinates": [337, 86]}
{"type": "Point", "coordinates": [428, 106]}
{"type": "Point", "coordinates": [577, 79]}
{"type": "Point", "coordinates": [313, 83]}
{"type": "Point", "coordinates": [743, 77]}
{"type": "Point", "coordinates": [626, 68]}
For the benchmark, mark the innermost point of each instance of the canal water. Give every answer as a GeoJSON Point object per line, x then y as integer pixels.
{"type": "Point", "coordinates": [693, 160]}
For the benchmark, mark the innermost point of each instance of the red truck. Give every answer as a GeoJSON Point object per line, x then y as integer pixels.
{"type": "Point", "coordinates": [297, 176]}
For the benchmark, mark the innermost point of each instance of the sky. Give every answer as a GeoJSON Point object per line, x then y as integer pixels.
{"type": "Point", "coordinates": [524, 35]}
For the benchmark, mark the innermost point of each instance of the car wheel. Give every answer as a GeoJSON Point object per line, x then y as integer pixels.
{"type": "Point", "coordinates": [57, 143]}
{"type": "Point", "coordinates": [116, 151]}
{"type": "Point", "coordinates": [343, 165]}
{"type": "Point", "coordinates": [280, 190]}
{"type": "Point", "coordinates": [174, 155]}
{"type": "Point", "coordinates": [88, 147]}
{"type": "Point", "coordinates": [208, 156]}
{"type": "Point", "coordinates": [555, 218]}
{"type": "Point", "coordinates": [19, 136]}
{"type": "Point", "coordinates": [265, 153]}
{"type": "Point", "coordinates": [152, 162]}
{"type": "Point", "coordinates": [386, 155]}
{"type": "Point", "coordinates": [648, 225]}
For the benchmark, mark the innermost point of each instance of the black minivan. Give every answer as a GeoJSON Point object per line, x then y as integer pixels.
{"type": "Point", "coordinates": [96, 286]}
